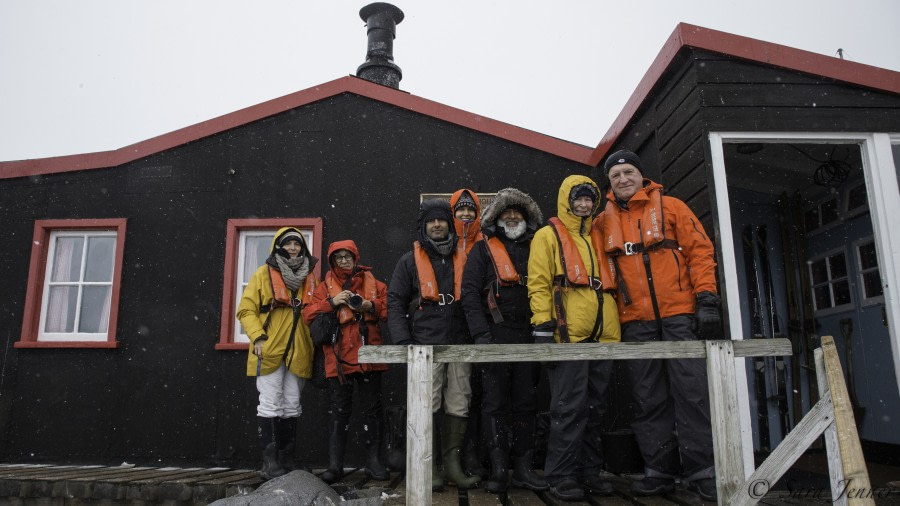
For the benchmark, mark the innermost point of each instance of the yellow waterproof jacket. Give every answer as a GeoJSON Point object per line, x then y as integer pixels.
{"type": "Point", "coordinates": [276, 323]}
{"type": "Point", "coordinates": [580, 302]}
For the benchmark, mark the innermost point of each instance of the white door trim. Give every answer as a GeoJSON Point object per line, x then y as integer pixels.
{"type": "Point", "coordinates": [884, 205]}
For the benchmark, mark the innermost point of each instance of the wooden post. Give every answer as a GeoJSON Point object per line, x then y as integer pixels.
{"type": "Point", "coordinates": [856, 487]}
{"type": "Point", "coordinates": [418, 425]}
{"type": "Point", "coordinates": [832, 450]}
{"type": "Point", "coordinates": [725, 418]}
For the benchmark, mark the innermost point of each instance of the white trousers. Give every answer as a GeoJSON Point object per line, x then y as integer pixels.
{"type": "Point", "coordinates": [450, 385]}
{"type": "Point", "coordinates": [279, 394]}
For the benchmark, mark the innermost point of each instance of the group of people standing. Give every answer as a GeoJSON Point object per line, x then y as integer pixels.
{"type": "Point", "coordinates": [641, 269]}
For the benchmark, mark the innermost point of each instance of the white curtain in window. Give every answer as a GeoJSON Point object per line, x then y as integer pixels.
{"type": "Point", "coordinates": [58, 298]}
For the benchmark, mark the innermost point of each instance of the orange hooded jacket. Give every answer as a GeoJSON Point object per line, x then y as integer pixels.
{"type": "Point", "coordinates": [681, 270]}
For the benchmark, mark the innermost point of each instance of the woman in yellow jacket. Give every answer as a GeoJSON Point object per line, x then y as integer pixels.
{"type": "Point", "coordinates": [281, 350]}
{"type": "Point", "coordinates": [568, 281]}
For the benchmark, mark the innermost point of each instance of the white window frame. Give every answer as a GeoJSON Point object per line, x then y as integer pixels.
{"type": "Point", "coordinates": [80, 284]}
{"type": "Point", "coordinates": [848, 277]}
{"type": "Point", "coordinates": [884, 206]}
{"type": "Point", "coordinates": [863, 300]}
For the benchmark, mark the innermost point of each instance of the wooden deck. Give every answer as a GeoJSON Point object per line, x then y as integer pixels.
{"type": "Point", "coordinates": [48, 485]}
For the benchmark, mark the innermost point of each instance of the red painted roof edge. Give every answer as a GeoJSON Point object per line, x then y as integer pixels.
{"type": "Point", "coordinates": [686, 35]}
{"type": "Point", "coordinates": [348, 84]}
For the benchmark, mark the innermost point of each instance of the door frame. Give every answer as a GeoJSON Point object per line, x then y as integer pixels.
{"type": "Point", "coordinates": [884, 202]}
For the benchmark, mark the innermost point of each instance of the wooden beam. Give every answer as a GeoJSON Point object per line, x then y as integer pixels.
{"type": "Point", "coordinates": [419, 453]}
{"type": "Point", "coordinates": [832, 450]}
{"type": "Point", "coordinates": [857, 485]}
{"type": "Point", "coordinates": [785, 455]}
{"type": "Point", "coordinates": [725, 417]}
{"type": "Point", "coordinates": [576, 351]}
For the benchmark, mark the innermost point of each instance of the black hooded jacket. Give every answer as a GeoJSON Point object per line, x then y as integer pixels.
{"type": "Point", "coordinates": [412, 320]}
{"type": "Point", "coordinates": [479, 274]}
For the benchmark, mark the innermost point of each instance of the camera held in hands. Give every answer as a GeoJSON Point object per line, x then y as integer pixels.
{"type": "Point", "coordinates": [355, 301]}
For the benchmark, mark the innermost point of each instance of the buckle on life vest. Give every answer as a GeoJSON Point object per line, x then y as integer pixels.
{"type": "Point", "coordinates": [295, 302]}
{"type": "Point", "coordinates": [596, 284]}
{"type": "Point", "coordinates": [632, 248]}
{"type": "Point", "coordinates": [445, 299]}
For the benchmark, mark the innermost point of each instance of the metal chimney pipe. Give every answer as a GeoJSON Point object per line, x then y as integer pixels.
{"type": "Point", "coordinates": [381, 21]}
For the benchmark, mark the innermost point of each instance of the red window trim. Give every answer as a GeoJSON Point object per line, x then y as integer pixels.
{"type": "Point", "coordinates": [37, 269]}
{"type": "Point", "coordinates": [232, 236]}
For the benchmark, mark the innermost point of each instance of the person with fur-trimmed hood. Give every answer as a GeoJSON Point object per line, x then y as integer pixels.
{"type": "Point", "coordinates": [359, 301]}
{"type": "Point", "coordinates": [281, 350]}
{"type": "Point", "coordinates": [424, 308]}
{"type": "Point", "coordinates": [495, 299]}
{"type": "Point", "coordinates": [569, 281]}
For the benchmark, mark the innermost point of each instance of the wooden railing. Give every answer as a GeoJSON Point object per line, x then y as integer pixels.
{"type": "Point", "coordinates": [831, 415]}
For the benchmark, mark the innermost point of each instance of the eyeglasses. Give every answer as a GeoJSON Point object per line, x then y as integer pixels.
{"type": "Point", "coordinates": [343, 258]}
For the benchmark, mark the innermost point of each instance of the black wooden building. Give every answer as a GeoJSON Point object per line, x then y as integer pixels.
{"type": "Point", "coordinates": [791, 161]}
{"type": "Point", "coordinates": [158, 376]}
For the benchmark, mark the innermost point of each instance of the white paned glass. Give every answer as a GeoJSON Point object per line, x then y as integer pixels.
{"type": "Point", "coordinates": [100, 259]}
{"type": "Point", "coordinates": [62, 302]}
{"type": "Point", "coordinates": [94, 305]}
{"type": "Point", "coordinates": [67, 259]}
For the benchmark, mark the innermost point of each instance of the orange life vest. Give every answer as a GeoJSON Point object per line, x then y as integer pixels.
{"type": "Point", "coordinates": [653, 233]}
{"type": "Point", "coordinates": [282, 295]}
{"type": "Point", "coordinates": [369, 292]}
{"type": "Point", "coordinates": [576, 273]}
{"type": "Point", "coordinates": [503, 265]}
{"type": "Point", "coordinates": [428, 286]}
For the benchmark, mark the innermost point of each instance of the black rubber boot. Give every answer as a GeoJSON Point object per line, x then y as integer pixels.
{"type": "Point", "coordinates": [374, 468]}
{"type": "Point", "coordinates": [337, 443]}
{"type": "Point", "coordinates": [267, 442]}
{"type": "Point", "coordinates": [523, 476]}
{"type": "Point", "coordinates": [498, 451]}
{"type": "Point", "coordinates": [287, 435]}
{"type": "Point", "coordinates": [437, 478]}
{"type": "Point", "coordinates": [523, 428]}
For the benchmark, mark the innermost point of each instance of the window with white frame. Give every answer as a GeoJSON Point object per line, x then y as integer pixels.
{"type": "Point", "coordinates": [869, 275]}
{"type": "Point", "coordinates": [253, 250]}
{"type": "Point", "coordinates": [830, 281]}
{"type": "Point", "coordinates": [822, 214]}
{"type": "Point", "coordinates": [78, 286]}
{"type": "Point", "coordinates": [73, 284]}
{"type": "Point", "coordinates": [247, 245]}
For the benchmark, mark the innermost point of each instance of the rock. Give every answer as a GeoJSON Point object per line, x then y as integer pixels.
{"type": "Point", "coordinates": [295, 488]}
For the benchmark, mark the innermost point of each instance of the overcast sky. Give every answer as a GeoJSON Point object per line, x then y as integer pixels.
{"type": "Point", "coordinates": [93, 75]}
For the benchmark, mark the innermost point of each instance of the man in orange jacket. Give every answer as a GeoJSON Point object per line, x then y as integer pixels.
{"type": "Point", "coordinates": [665, 268]}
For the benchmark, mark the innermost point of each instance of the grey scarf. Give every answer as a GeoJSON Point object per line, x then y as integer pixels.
{"type": "Point", "coordinates": [293, 270]}
{"type": "Point", "coordinates": [443, 247]}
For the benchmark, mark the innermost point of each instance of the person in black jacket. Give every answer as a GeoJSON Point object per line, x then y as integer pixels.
{"type": "Point", "coordinates": [424, 308]}
{"type": "Point", "coordinates": [495, 300]}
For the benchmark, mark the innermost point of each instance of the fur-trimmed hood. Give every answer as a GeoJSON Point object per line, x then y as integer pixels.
{"type": "Point", "coordinates": [511, 197]}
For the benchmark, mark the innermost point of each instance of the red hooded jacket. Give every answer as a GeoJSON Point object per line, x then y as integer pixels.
{"type": "Point", "coordinates": [350, 339]}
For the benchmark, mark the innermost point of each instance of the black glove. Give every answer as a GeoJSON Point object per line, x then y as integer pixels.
{"type": "Point", "coordinates": [543, 333]}
{"type": "Point", "coordinates": [484, 338]}
{"type": "Point", "coordinates": [709, 323]}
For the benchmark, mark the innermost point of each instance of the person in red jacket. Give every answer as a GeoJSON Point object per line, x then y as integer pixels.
{"type": "Point", "coordinates": [360, 301]}
{"type": "Point", "coordinates": [666, 274]}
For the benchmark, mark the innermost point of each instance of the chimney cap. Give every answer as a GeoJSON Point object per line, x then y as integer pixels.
{"type": "Point", "coordinates": [377, 7]}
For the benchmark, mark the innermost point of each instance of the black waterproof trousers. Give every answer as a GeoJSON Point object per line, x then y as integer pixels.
{"type": "Point", "coordinates": [578, 402]}
{"type": "Point", "coordinates": [368, 388]}
{"type": "Point", "coordinates": [672, 403]}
